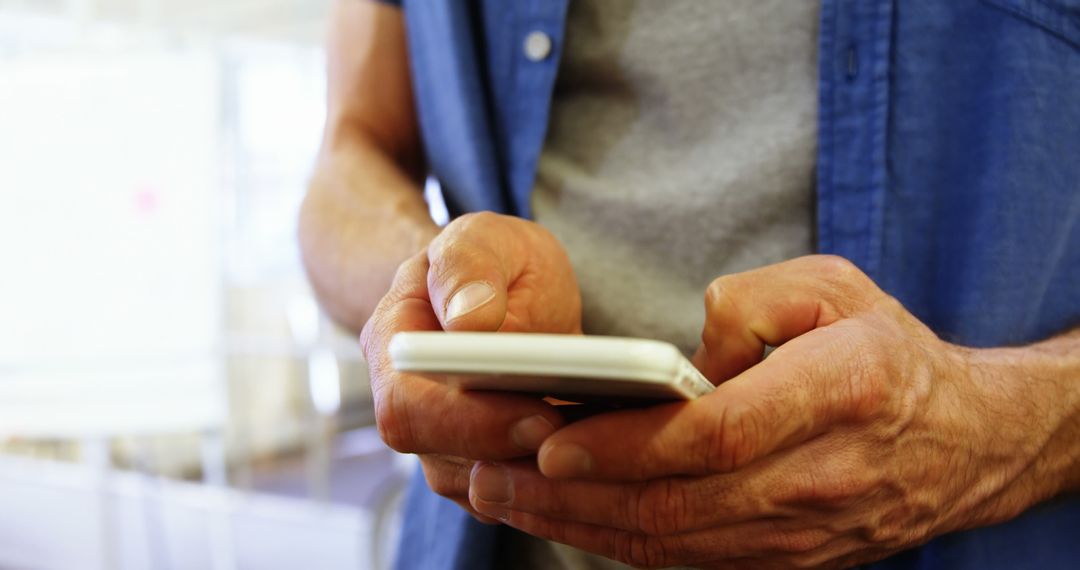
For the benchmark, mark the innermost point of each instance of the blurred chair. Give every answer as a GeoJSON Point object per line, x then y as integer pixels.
{"type": "Point", "coordinates": [47, 511]}
{"type": "Point", "coordinates": [94, 405]}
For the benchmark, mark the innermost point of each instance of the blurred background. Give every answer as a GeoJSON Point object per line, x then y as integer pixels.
{"type": "Point", "coordinates": [170, 394]}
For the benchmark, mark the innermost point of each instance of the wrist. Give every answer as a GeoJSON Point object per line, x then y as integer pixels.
{"type": "Point", "coordinates": [1038, 393]}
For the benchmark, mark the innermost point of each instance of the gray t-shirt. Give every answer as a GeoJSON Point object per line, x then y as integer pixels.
{"type": "Point", "coordinates": [680, 148]}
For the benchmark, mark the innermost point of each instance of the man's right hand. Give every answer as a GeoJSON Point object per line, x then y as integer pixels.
{"type": "Point", "coordinates": [484, 272]}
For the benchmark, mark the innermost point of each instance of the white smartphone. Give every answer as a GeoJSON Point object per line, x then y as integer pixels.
{"type": "Point", "coordinates": [564, 366]}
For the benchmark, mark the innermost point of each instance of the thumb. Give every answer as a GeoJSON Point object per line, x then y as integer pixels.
{"type": "Point", "coordinates": [774, 304]}
{"type": "Point", "coordinates": [808, 387]}
{"type": "Point", "coordinates": [468, 281]}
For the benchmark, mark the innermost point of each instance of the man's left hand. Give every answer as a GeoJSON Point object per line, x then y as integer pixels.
{"type": "Point", "coordinates": [862, 434]}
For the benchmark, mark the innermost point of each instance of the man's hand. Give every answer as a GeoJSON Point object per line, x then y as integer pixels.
{"type": "Point", "coordinates": [484, 272]}
{"type": "Point", "coordinates": [861, 435]}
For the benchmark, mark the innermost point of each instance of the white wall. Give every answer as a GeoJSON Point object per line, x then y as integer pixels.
{"type": "Point", "coordinates": [108, 167]}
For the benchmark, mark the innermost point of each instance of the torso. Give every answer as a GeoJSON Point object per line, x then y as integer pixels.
{"type": "Point", "coordinates": [680, 147]}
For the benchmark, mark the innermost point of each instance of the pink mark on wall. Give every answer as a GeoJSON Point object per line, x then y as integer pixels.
{"type": "Point", "coordinates": [147, 200]}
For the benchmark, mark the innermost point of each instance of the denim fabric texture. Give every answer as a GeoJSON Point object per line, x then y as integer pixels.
{"type": "Point", "coordinates": [948, 170]}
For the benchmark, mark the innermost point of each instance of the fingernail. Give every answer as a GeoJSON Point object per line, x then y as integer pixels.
{"type": "Point", "coordinates": [492, 484]}
{"type": "Point", "coordinates": [531, 432]}
{"type": "Point", "coordinates": [501, 514]}
{"type": "Point", "coordinates": [565, 460]}
{"type": "Point", "coordinates": [468, 298]}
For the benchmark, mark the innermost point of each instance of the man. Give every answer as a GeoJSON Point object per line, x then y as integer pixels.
{"type": "Point", "coordinates": [929, 145]}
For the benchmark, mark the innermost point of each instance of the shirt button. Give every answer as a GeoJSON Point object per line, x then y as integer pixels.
{"type": "Point", "coordinates": [537, 46]}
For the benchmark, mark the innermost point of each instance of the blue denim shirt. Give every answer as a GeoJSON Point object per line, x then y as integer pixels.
{"type": "Point", "coordinates": [948, 170]}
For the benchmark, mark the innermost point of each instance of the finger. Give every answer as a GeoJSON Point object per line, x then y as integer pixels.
{"type": "Point", "coordinates": [700, 359]}
{"type": "Point", "coordinates": [418, 415]}
{"type": "Point", "coordinates": [449, 477]}
{"type": "Point", "coordinates": [774, 304]}
{"type": "Point", "coordinates": [792, 396]}
{"type": "Point", "coordinates": [446, 476]}
{"type": "Point", "coordinates": [464, 504]}
{"type": "Point", "coordinates": [659, 507]}
{"type": "Point", "coordinates": [756, 544]}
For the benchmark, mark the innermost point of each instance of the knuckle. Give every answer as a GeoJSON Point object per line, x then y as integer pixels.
{"type": "Point", "coordinates": [455, 262]}
{"type": "Point", "coordinates": [447, 235]}
{"type": "Point", "coordinates": [661, 508]}
{"type": "Point", "coordinates": [443, 259]}
{"type": "Point", "coordinates": [473, 221]}
{"type": "Point", "coordinates": [448, 244]}
{"type": "Point", "coordinates": [392, 421]}
{"type": "Point", "coordinates": [443, 478]}
{"type": "Point", "coordinates": [389, 429]}
{"type": "Point", "coordinates": [856, 291]}
{"type": "Point", "coordinates": [881, 535]}
{"type": "Point", "coordinates": [839, 268]}
{"type": "Point", "coordinates": [408, 269]}
{"type": "Point", "coordinates": [719, 293]}
{"type": "Point", "coordinates": [641, 551]}
{"type": "Point", "coordinates": [722, 313]}
{"type": "Point", "coordinates": [888, 305]}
